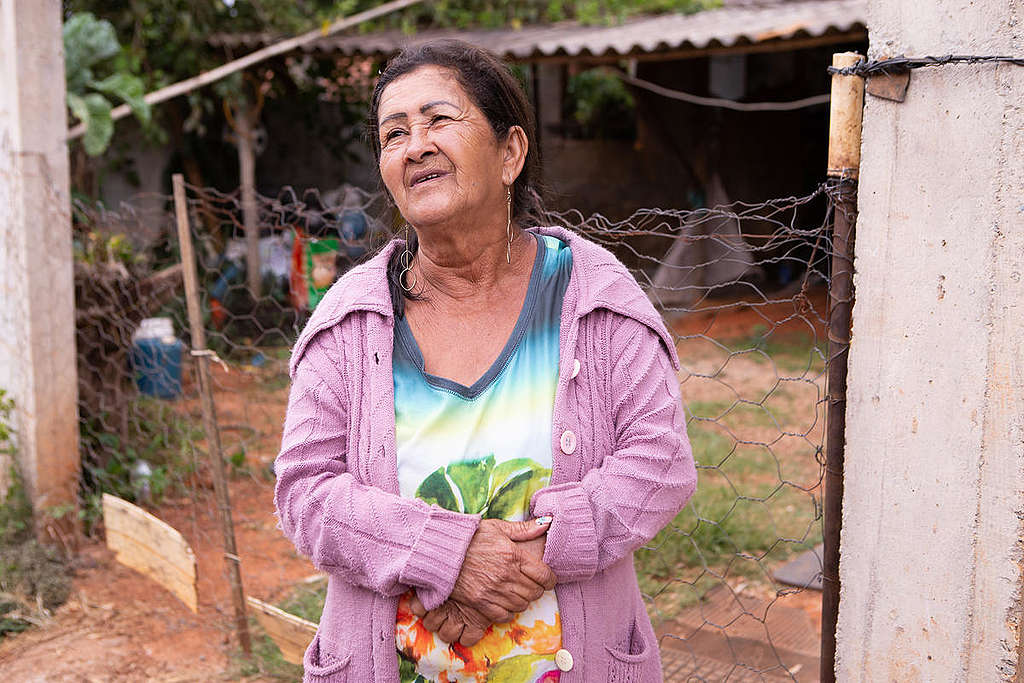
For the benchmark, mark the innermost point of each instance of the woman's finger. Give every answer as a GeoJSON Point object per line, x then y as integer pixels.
{"type": "Point", "coordinates": [513, 598]}
{"type": "Point", "coordinates": [494, 613]}
{"type": "Point", "coordinates": [416, 606]}
{"type": "Point", "coordinates": [471, 635]}
{"type": "Point", "coordinates": [526, 530]}
{"type": "Point", "coordinates": [525, 591]}
{"type": "Point", "coordinates": [434, 618]}
{"type": "Point", "coordinates": [451, 629]}
{"type": "Point", "coordinates": [535, 570]}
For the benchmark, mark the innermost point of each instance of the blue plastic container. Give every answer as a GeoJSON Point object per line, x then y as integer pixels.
{"type": "Point", "coordinates": [156, 359]}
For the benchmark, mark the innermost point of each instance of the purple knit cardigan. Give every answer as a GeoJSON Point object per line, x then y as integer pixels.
{"type": "Point", "coordinates": [622, 469]}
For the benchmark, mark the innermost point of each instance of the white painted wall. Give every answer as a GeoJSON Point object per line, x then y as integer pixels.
{"type": "Point", "coordinates": [37, 323]}
{"type": "Point", "coordinates": [934, 485]}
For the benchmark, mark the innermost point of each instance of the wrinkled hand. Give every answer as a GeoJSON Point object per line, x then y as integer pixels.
{"type": "Point", "coordinates": [452, 622]}
{"type": "Point", "coordinates": [499, 576]}
{"type": "Point", "coordinates": [455, 620]}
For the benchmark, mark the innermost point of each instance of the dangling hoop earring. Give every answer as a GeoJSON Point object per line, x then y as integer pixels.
{"type": "Point", "coordinates": [508, 228]}
{"type": "Point", "coordinates": [405, 260]}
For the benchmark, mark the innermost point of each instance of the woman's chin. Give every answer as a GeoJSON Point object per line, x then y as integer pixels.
{"type": "Point", "coordinates": [430, 216]}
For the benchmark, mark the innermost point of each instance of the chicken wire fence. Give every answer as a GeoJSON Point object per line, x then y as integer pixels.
{"type": "Point", "coordinates": [730, 584]}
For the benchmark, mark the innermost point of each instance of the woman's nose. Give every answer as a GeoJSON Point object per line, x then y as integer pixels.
{"type": "Point", "coordinates": [420, 144]}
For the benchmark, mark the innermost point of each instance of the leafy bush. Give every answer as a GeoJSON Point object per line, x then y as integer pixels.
{"type": "Point", "coordinates": [15, 509]}
{"type": "Point", "coordinates": [142, 463]}
{"type": "Point", "coordinates": [600, 106]}
{"type": "Point", "coordinates": [34, 578]}
{"type": "Point", "coordinates": [94, 74]}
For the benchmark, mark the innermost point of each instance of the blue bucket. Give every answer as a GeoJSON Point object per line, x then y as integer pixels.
{"type": "Point", "coordinates": [156, 360]}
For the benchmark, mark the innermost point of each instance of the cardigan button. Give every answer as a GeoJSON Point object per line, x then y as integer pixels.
{"type": "Point", "coordinates": [575, 368]}
{"type": "Point", "coordinates": [563, 660]}
{"type": "Point", "coordinates": [568, 442]}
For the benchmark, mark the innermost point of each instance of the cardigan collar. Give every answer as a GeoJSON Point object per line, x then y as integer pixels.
{"type": "Point", "coordinates": [598, 280]}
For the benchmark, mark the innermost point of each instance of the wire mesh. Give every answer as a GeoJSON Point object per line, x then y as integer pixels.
{"type": "Point", "coordinates": [743, 289]}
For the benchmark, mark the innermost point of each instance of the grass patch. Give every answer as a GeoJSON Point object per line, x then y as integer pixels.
{"type": "Point", "coordinates": [266, 660]}
{"type": "Point", "coordinates": [306, 601]}
{"type": "Point", "coordinates": [141, 461]}
{"type": "Point", "coordinates": [34, 578]}
{"type": "Point", "coordinates": [794, 352]}
{"type": "Point", "coordinates": [742, 521]}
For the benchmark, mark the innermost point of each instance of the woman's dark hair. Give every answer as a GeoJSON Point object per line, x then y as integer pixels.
{"type": "Point", "coordinates": [496, 91]}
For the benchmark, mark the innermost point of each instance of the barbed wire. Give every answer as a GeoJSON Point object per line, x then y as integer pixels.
{"type": "Point", "coordinates": [894, 65]}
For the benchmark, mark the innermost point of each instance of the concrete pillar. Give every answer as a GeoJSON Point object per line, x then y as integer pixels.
{"type": "Point", "coordinates": [931, 548]}
{"type": "Point", "coordinates": [37, 313]}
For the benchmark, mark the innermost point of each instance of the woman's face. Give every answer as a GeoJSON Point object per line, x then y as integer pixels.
{"type": "Point", "coordinates": [439, 157]}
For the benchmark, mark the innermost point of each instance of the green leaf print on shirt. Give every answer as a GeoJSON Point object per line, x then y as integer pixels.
{"type": "Point", "coordinates": [478, 487]}
{"type": "Point", "coordinates": [519, 669]}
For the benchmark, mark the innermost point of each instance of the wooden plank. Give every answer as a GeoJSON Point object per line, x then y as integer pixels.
{"type": "Point", "coordinates": [152, 547]}
{"type": "Point", "coordinates": [290, 633]}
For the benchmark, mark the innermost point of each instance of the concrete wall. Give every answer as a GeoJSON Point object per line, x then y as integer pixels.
{"type": "Point", "coordinates": [37, 317]}
{"type": "Point", "coordinates": [931, 544]}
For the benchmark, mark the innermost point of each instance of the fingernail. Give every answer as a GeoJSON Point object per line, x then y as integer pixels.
{"type": "Point", "coordinates": [541, 521]}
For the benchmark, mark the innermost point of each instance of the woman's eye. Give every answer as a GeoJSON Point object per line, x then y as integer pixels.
{"type": "Point", "coordinates": [392, 134]}
{"type": "Point", "coordinates": [439, 117]}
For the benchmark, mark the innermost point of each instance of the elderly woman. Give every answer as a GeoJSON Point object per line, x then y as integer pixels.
{"type": "Point", "coordinates": [484, 421]}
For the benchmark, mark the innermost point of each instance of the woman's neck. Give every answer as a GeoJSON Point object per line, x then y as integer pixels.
{"type": "Point", "coordinates": [462, 267]}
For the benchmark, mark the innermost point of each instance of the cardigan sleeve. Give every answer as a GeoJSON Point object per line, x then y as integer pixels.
{"type": "Point", "coordinates": [643, 483]}
{"type": "Point", "coordinates": [360, 533]}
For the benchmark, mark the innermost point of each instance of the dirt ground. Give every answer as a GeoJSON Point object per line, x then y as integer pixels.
{"type": "Point", "coordinates": [121, 626]}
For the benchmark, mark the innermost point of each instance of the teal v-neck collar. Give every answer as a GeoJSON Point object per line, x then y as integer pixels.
{"type": "Point", "coordinates": [405, 337]}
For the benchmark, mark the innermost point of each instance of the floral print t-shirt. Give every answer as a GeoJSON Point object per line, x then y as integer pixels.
{"type": "Point", "coordinates": [485, 449]}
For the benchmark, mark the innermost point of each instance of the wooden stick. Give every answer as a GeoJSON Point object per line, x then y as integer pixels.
{"type": "Point", "coordinates": [220, 484]}
{"type": "Point", "coordinates": [843, 168]}
{"type": "Point", "coordinates": [224, 70]}
{"type": "Point", "coordinates": [247, 173]}
{"type": "Point", "coordinates": [845, 119]}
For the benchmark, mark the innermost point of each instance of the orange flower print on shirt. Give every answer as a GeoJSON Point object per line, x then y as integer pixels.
{"type": "Point", "coordinates": [419, 640]}
{"type": "Point", "coordinates": [521, 651]}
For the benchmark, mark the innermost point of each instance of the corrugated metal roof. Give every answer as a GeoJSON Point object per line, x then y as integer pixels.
{"type": "Point", "coordinates": [730, 26]}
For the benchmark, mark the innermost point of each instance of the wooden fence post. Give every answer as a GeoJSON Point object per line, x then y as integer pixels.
{"type": "Point", "coordinates": [202, 357]}
{"type": "Point", "coordinates": [843, 168]}
{"type": "Point", "coordinates": [244, 132]}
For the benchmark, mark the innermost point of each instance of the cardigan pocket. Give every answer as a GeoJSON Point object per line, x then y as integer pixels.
{"type": "Point", "coordinates": [630, 659]}
{"type": "Point", "coordinates": [320, 666]}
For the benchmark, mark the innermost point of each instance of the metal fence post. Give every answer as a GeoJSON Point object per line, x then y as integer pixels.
{"type": "Point", "coordinates": [202, 358]}
{"type": "Point", "coordinates": [843, 167]}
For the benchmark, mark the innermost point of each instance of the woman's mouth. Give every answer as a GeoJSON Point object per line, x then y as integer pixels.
{"type": "Point", "coordinates": [420, 178]}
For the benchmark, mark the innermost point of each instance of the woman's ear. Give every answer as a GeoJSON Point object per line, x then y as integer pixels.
{"type": "Point", "coordinates": [513, 154]}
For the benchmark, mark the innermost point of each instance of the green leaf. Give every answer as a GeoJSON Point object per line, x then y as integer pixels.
{"type": "Point", "coordinates": [513, 484]}
{"type": "Point", "coordinates": [87, 41]}
{"type": "Point", "coordinates": [511, 468]}
{"type": "Point", "coordinates": [128, 88]}
{"type": "Point", "coordinates": [472, 478]}
{"type": "Point", "coordinates": [515, 669]}
{"type": "Point", "coordinates": [512, 500]}
{"type": "Point", "coordinates": [94, 111]}
{"type": "Point", "coordinates": [436, 490]}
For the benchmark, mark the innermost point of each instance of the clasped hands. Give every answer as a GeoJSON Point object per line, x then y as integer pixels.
{"type": "Point", "coordinates": [502, 573]}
